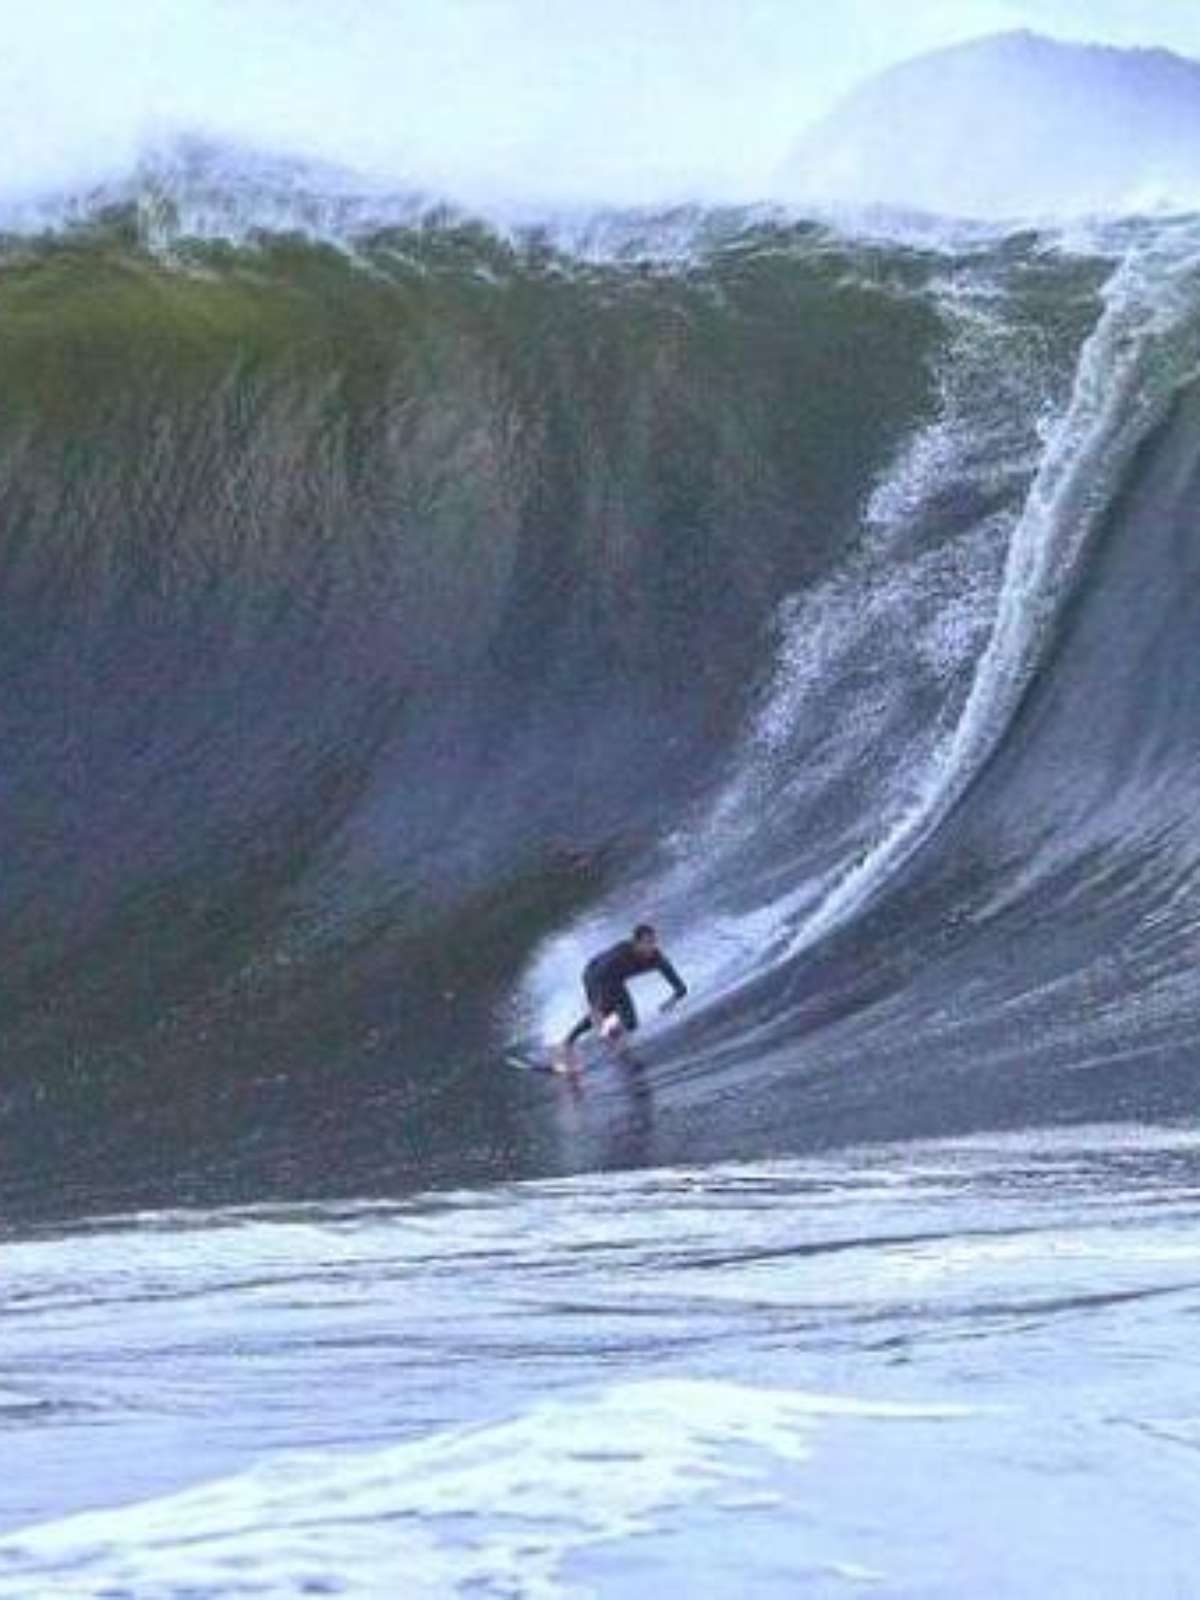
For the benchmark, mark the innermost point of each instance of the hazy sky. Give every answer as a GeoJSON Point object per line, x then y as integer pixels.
{"type": "Point", "coordinates": [545, 99]}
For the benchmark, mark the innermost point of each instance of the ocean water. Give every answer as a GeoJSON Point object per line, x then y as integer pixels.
{"type": "Point", "coordinates": [939, 1369]}
{"type": "Point", "coordinates": [395, 605]}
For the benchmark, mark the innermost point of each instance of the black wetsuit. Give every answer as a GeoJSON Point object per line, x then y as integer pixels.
{"type": "Point", "coordinates": [604, 980]}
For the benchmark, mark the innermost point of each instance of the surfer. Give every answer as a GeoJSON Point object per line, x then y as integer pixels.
{"type": "Point", "coordinates": [605, 978]}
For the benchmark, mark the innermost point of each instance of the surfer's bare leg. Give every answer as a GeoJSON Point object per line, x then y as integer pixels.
{"type": "Point", "coordinates": [618, 1035]}
{"type": "Point", "coordinates": [612, 1031]}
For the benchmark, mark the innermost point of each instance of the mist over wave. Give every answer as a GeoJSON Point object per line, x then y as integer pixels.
{"type": "Point", "coordinates": [395, 604]}
{"type": "Point", "coordinates": [1013, 125]}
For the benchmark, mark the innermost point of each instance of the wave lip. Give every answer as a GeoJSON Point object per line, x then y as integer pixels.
{"type": "Point", "coordinates": [190, 185]}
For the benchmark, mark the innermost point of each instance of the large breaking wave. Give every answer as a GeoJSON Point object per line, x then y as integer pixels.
{"type": "Point", "coordinates": [394, 605]}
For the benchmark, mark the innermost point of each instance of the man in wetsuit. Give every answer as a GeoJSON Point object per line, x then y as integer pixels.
{"type": "Point", "coordinates": [610, 1008]}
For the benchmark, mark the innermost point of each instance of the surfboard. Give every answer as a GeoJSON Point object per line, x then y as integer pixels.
{"type": "Point", "coordinates": [533, 1058]}
{"type": "Point", "coordinates": [526, 1061]}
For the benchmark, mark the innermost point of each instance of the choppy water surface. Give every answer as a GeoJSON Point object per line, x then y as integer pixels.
{"type": "Point", "coordinates": [940, 1370]}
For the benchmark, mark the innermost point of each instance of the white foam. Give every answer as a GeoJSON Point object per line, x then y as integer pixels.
{"type": "Point", "coordinates": [738, 890]}
{"type": "Point", "coordinates": [501, 1508]}
{"type": "Point", "coordinates": [1128, 371]}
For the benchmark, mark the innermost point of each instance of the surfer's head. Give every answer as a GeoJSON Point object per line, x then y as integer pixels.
{"type": "Point", "coordinates": [645, 938]}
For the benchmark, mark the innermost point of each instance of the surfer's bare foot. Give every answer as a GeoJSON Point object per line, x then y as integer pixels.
{"type": "Point", "coordinates": [566, 1062]}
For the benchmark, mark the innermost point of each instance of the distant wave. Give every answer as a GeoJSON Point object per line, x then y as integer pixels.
{"type": "Point", "coordinates": [1012, 126]}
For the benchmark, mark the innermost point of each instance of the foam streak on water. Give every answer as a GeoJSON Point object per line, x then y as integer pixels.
{"type": "Point", "coordinates": [958, 1371]}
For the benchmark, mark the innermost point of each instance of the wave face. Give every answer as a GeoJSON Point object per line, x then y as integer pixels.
{"type": "Point", "coordinates": [387, 617]}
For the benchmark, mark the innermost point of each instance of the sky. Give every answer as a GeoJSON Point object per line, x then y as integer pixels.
{"type": "Point", "coordinates": [636, 101]}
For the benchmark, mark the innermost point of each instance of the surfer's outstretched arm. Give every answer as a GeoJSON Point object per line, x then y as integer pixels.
{"type": "Point", "coordinates": [678, 988]}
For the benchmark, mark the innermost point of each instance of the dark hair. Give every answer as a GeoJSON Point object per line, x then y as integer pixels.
{"type": "Point", "coordinates": [644, 931]}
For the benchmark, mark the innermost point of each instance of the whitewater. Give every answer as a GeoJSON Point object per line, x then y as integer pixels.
{"type": "Point", "coordinates": [397, 602]}
{"type": "Point", "coordinates": [932, 1370]}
